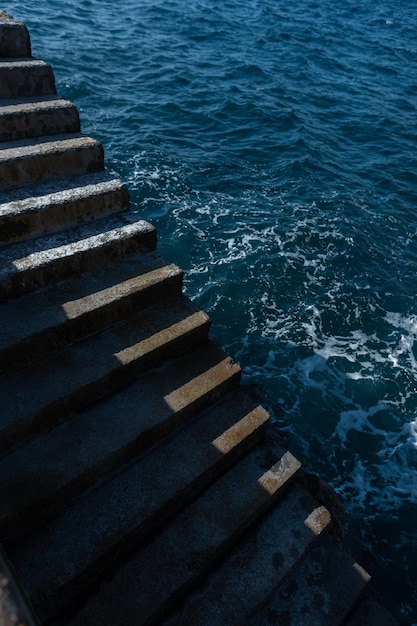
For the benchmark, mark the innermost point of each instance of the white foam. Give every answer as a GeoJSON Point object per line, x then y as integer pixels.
{"type": "Point", "coordinates": [352, 378]}
{"type": "Point", "coordinates": [358, 419]}
{"type": "Point", "coordinates": [412, 426]}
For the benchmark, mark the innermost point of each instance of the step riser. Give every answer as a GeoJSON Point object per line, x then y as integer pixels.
{"type": "Point", "coordinates": [117, 552]}
{"type": "Point", "coordinates": [156, 402]}
{"type": "Point", "coordinates": [280, 542]}
{"type": "Point", "coordinates": [324, 568]}
{"type": "Point", "coordinates": [195, 541]}
{"type": "Point", "coordinates": [30, 479]}
{"type": "Point", "coordinates": [36, 168]}
{"type": "Point", "coordinates": [14, 38]}
{"type": "Point", "coordinates": [51, 218]}
{"type": "Point", "coordinates": [164, 608]}
{"type": "Point", "coordinates": [44, 344]}
{"type": "Point", "coordinates": [38, 123]}
{"type": "Point", "coordinates": [45, 508]}
{"type": "Point", "coordinates": [26, 81]}
{"type": "Point", "coordinates": [116, 379]}
{"type": "Point", "coordinates": [14, 42]}
{"type": "Point", "coordinates": [52, 271]}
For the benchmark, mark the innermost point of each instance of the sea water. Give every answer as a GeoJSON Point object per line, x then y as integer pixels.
{"type": "Point", "coordinates": [274, 146]}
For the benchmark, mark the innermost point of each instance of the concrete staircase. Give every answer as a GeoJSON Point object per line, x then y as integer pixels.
{"type": "Point", "coordinates": [138, 483]}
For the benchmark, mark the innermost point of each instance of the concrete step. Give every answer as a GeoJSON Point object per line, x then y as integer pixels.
{"type": "Point", "coordinates": [47, 260]}
{"type": "Point", "coordinates": [258, 565]}
{"type": "Point", "coordinates": [34, 210]}
{"type": "Point", "coordinates": [369, 612]}
{"type": "Point", "coordinates": [25, 118]}
{"type": "Point", "coordinates": [66, 557]}
{"type": "Point", "coordinates": [36, 160]}
{"type": "Point", "coordinates": [158, 575]}
{"type": "Point", "coordinates": [24, 77]}
{"type": "Point", "coordinates": [324, 588]}
{"type": "Point", "coordinates": [14, 37]}
{"type": "Point", "coordinates": [81, 306]}
{"type": "Point", "coordinates": [43, 476]}
{"type": "Point", "coordinates": [83, 373]}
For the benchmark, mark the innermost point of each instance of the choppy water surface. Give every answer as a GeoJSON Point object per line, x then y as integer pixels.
{"type": "Point", "coordinates": [274, 146]}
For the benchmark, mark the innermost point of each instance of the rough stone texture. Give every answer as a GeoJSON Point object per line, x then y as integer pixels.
{"type": "Point", "coordinates": [322, 590]}
{"type": "Point", "coordinates": [29, 161]}
{"type": "Point", "coordinates": [87, 371]}
{"type": "Point", "coordinates": [254, 570]}
{"type": "Point", "coordinates": [25, 267]}
{"type": "Point", "coordinates": [87, 540]}
{"type": "Point", "coordinates": [30, 211]}
{"type": "Point", "coordinates": [14, 37]}
{"type": "Point", "coordinates": [34, 481]}
{"type": "Point", "coordinates": [22, 78]}
{"type": "Point", "coordinates": [159, 574]}
{"type": "Point", "coordinates": [22, 120]}
{"type": "Point", "coordinates": [81, 306]}
{"type": "Point", "coordinates": [370, 613]}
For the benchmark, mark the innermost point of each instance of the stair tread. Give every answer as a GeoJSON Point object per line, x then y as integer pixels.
{"type": "Point", "coordinates": [73, 549]}
{"type": "Point", "coordinates": [38, 146]}
{"type": "Point", "coordinates": [32, 260]}
{"type": "Point", "coordinates": [80, 302]}
{"type": "Point", "coordinates": [90, 369]}
{"type": "Point", "coordinates": [325, 587]}
{"type": "Point", "coordinates": [254, 570]}
{"type": "Point", "coordinates": [58, 459]}
{"type": "Point", "coordinates": [29, 104]}
{"type": "Point", "coordinates": [25, 76]}
{"type": "Point", "coordinates": [22, 61]}
{"type": "Point", "coordinates": [29, 62]}
{"type": "Point", "coordinates": [32, 250]}
{"type": "Point", "coordinates": [155, 577]}
{"type": "Point", "coordinates": [35, 210]}
{"type": "Point", "coordinates": [36, 117]}
{"type": "Point", "coordinates": [30, 160]}
{"type": "Point", "coordinates": [20, 256]}
{"type": "Point", "coordinates": [58, 190]}
{"type": "Point", "coordinates": [370, 613]}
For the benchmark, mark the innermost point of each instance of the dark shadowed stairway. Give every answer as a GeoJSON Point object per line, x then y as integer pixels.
{"type": "Point", "coordinates": [139, 482]}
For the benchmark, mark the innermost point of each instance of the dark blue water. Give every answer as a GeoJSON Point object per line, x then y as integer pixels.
{"type": "Point", "coordinates": [274, 146]}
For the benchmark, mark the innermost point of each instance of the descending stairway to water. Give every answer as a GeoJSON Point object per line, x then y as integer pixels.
{"type": "Point", "coordinates": [138, 480]}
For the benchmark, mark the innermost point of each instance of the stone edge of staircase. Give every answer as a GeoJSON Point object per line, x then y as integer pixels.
{"type": "Point", "coordinates": [14, 606]}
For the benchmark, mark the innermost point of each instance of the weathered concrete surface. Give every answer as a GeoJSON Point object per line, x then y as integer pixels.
{"type": "Point", "coordinates": [82, 306]}
{"type": "Point", "coordinates": [37, 118]}
{"type": "Point", "coordinates": [26, 77]}
{"type": "Point", "coordinates": [89, 370]}
{"type": "Point", "coordinates": [86, 541]}
{"type": "Point", "coordinates": [14, 37]}
{"type": "Point", "coordinates": [27, 266]}
{"type": "Point", "coordinates": [370, 613]}
{"type": "Point", "coordinates": [27, 161]}
{"type": "Point", "coordinates": [251, 574]}
{"type": "Point", "coordinates": [322, 590]}
{"type": "Point", "coordinates": [33, 210]}
{"type": "Point", "coordinates": [91, 444]}
{"type": "Point", "coordinates": [192, 543]}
